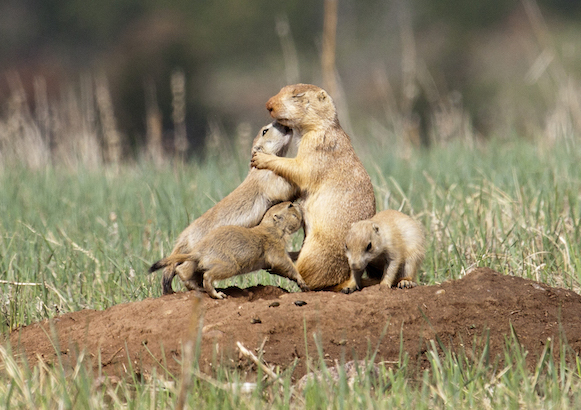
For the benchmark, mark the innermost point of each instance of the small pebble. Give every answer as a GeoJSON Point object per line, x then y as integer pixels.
{"type": "Point", "coordinates": [274, 304]}
{"type": "Point", "coordinates": [300, 302]}
{"type": "Point", "coordinates": [255, 320]}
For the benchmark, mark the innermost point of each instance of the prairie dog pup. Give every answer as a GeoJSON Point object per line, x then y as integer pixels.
{"type": "Point", "coordinates": [335, 188]}
{"type": "Point", "coordinates": [390, 245]}
{"type": "Point", "coordinates": [234, 250]}
{"type": "Point", "coordinates": [245, 206]}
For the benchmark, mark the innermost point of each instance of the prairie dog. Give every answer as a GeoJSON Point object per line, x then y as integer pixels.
{"type": "Point", "coordinates": [391, 246]}
{"type": "Point", "coordinates": [335, 188]}
{"type": "Point", "coordinates": [234, 250]}
{"type": "Point", "coordinates": [245, 206]}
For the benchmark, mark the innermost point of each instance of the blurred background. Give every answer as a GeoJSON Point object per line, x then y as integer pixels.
{"type": "Point", "coordinates": [114, 81]}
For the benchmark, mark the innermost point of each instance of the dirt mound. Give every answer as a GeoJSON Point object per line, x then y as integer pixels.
{"type": "Point", "coordinates": [458, 312]}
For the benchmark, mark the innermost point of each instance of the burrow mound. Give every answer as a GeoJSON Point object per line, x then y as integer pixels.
{"type": "Point", "coordinates": [459, 313]}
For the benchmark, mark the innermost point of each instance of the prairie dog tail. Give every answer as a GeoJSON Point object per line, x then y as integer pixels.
{"type": "Point", "coordinates": [171, 260]}
{"type": "Point", "coordinates": [169, 272]}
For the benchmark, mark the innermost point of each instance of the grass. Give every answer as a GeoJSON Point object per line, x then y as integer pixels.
{"type": "Point", "coordinates": [455, 380]}
{"type": "Point", "coordinates": [79, 239]}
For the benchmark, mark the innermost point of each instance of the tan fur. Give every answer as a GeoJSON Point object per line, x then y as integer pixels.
{"type": "Point", "coordinates": [234, 250]}
{"type": "Point", "coordinates": [390, 246]}
{"type": "Point", "coordinates": [245, 206]}
{"type": "Point", "coordinates": [334, 187]}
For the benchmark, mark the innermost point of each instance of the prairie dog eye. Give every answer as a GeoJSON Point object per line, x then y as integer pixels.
{"type": "Point", "coordinates": [264, 131]}
{"type": "Point", "coordinates": [368, 247]}
{"type": "Point", "coordinates": [299, 95]}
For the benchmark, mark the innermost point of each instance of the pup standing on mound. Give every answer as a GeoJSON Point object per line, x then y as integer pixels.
{"type": "Point", "coordinates": [334, 187]}
{"type": "Point", "coordinates": [390, 246]}
{"type": "Point", "coordinates": [234, 250]}
{"type": "Point", "coordinates": [245, 206]}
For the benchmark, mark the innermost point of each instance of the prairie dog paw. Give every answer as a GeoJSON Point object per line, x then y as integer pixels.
{"type": "Point", "coordinates": [406, 284]}
{"type": "Point", "coordinates": [349, 289]}
{"type": "Point", "coordinates": [304, 287]}
{"type": "Point", "coordinates": [259, 160]}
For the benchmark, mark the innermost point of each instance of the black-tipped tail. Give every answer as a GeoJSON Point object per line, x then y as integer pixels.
{"type": "Point", "coordinates": [166, 282]}
{"type": "Point", "coordinates": [157, 265]}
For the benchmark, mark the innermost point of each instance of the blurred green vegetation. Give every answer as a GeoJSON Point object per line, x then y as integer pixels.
{"type": "Point", "coordinates": [85, 238]}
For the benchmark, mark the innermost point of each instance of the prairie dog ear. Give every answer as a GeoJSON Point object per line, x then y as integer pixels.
{"type": "Point", "coordinates": [322, 95]}
{"type": "Point", "coordinates": [375, 228]}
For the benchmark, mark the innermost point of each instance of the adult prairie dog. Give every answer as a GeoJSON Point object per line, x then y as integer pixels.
{"type": "Point", "coordinates": [234, 250]}
{"type": "Point", "coordinates": [391, 246]}
{"type": "Point", "coordinates": [334, 187]}
{"type": "Point", "coordinates": [245, 206]}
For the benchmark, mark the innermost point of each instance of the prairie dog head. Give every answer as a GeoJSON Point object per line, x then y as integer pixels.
{"type": "Point", "coordinates": [302, 107]}
{"type": "Point", "coordinates": [362, 244]}
{"type": "Point", "coordinates": [274, 139]}
{"type": "Point", "coordinates": [286, 216]}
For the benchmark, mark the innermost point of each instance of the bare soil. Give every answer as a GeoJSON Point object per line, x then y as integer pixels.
{"type": "Point", "coordinates": [137, 337]}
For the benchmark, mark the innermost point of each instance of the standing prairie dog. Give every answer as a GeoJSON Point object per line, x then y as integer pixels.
{"type": "Point", "coordinates": [334, 187]}
{"type": "Point", "coordinates": [234, 250]}
{"type": "Point", "coordinates": [391, 246]}
{"type": "Point", "coordinates": [245, 206]}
